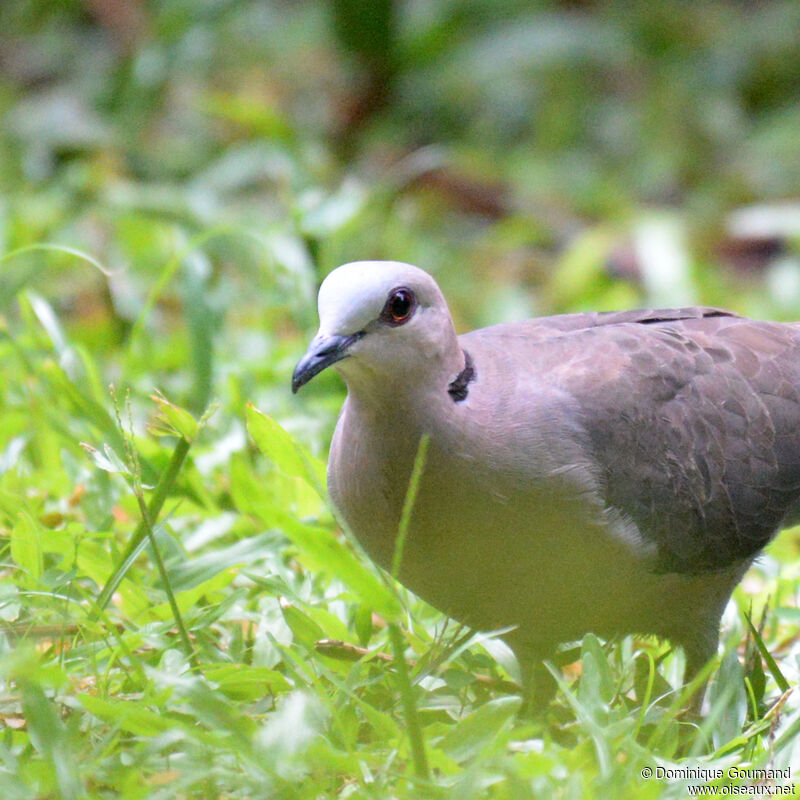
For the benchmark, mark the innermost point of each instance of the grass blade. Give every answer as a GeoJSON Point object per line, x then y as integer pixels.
{"type": "Point", "coordinates": [139, 538]}
{"type": "Point", "coordinates": [408, 504]}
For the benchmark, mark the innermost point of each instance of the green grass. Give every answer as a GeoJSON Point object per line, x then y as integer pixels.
{"type": "Point", "coordinates": [170, 582]}
{"type": "Point", "coordinates": [180, 613]}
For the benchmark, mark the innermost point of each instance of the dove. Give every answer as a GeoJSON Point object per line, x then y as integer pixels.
{"type": "Point", "coordinates": [614, 473]}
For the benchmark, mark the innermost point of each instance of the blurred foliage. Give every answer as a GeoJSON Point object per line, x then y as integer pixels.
{"type": "Point", "coordinates": [175, 179]}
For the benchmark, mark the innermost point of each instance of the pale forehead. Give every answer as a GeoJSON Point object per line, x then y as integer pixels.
{"type": "Point", "coordinates": [354, 294]}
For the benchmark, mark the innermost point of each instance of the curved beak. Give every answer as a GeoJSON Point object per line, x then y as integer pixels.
{"type": "Point", "coordinates": [322, 352]}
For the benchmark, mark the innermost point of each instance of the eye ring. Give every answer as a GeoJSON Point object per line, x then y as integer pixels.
{"type": "Point", "coordinates": [399, 307]}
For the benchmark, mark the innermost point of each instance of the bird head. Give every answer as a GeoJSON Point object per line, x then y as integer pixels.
{"type": "Point", "coordinates": [380, 322]}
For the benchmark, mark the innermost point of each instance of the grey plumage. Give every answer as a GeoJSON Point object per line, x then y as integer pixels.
{"type": "Point", "coordinates": [614, 473]}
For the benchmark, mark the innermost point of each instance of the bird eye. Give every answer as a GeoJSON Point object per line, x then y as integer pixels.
{"type": "Point", "coordinates": [399, 307]}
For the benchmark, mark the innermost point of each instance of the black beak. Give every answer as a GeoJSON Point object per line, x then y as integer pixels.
{"type": "Point", "coordinates": [322, 352]}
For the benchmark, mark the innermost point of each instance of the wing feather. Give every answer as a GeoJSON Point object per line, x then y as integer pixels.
{"type": "Point", "coordinates": [698, 433]}
{"type": "Point", "coordinates": [692, 416]}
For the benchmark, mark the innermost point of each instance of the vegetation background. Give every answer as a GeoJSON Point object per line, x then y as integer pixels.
{"type": "Point", "coordinates": [176, 177]}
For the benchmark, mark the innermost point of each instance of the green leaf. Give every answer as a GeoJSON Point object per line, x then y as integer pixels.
{"type": "Point", "coordinates": [596, 686]}
{"type": "Point", "coordinates": [322, 551]}
{"type": "Point", "coordinates": [246, 683]}
{"type": "Point", "coordinates": [128, 715]}
{"type": "Point", "coordinates": [199, 569]}
{"type": "Point", "coordinates": [330, 555]}
{"type": "Point", "coordinates": [303, 628]}
{"type": "Point", "coordinates": [49, 321]}
{"type": "Point", "coordinates": [26, 547]}
{"type": "Point", "coordinates": [318, 547]}
{"type": "Point", "coordinates": [284, 451]}
{"type": "Point", "coordinates": [50, 738]}
{"type": "Point", "coordinates": [772, 665]}
{"type": "Point", "coordinates": [481, 729]}
{"type": "Point", "coordinates": [362, 622]}
{"type": "Point", "coordinates": [173, 420]}
{"type": "Point", "coordinates": [56, 248]}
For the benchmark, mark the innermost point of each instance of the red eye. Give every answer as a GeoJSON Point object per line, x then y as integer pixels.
{"type": "Point", "coordinates": [399, 307]}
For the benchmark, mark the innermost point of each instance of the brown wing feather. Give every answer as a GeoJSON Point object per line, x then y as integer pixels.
{"type": "Point", "coordinates": [543, 328]}
{"type": "Point", "coordinates": [698, 432]}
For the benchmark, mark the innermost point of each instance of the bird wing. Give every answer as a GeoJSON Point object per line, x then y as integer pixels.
{"type": "Point", "coordinates": [693, 421]}
{"type": "Point", "coordinates": [542, 328]}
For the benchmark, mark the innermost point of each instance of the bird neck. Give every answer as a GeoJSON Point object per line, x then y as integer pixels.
{"type": "Point", "coordinates": [440, 375]}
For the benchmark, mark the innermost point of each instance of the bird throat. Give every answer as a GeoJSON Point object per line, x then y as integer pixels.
{"type": "Point", "coordinates": [459, 386]}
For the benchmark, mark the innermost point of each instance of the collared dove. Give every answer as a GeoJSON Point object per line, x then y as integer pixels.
{"type": "Point", "coordinates": [607, 472]}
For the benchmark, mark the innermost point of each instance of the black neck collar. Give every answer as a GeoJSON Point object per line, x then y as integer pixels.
{"type": "Point", "coordinates": [459, 386]}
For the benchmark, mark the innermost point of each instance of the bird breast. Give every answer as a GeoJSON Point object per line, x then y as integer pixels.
{"type": "Point", "coordinates": [485, 545]}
